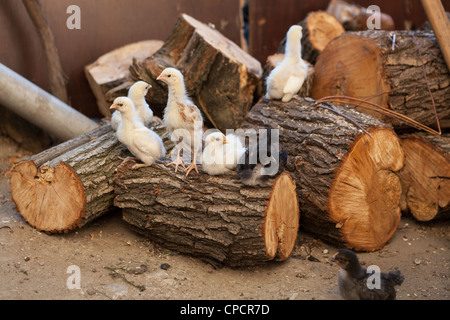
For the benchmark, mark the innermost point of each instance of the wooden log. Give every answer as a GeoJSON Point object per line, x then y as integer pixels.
{"type": "Point", "coordinates": [220, 77]}
{"type": "Point", "coordinates": [425, 178]}
{"type": "Point", "coordinates": [319, 28]}
{"type": "Point", "coordinates": [214, 218]}
{"type": "Point", "coordinates": [40, 108]}
{"type": "Point", "coordinates": [71, 184]}
{"type": "Point", "coordinates": [348, 192]}
{"type": "Point", "coordinates": [364, 65]}
{"type": "Point", "coordinates": [109, 75]}
{"type": "Point", "coordinates": [354, 17]}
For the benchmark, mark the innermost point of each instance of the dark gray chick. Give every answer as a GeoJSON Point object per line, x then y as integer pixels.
{"type": "Point", "coordinates": [354, 280]}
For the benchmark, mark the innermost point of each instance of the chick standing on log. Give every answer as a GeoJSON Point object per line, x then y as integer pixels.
{"type": "Point", "coordinates": [182, 118]}
{"type": "Point", "coordinates": [353, 279]}
{"type": "Point", "coordinates": [221, 153]}
{"type": "Point", "coordinates": [261, 161]}
{"type": "Point", "coordinates": [136, 93]}
{"type": "Point", "coordinates": [287, 78]}
{"type": "Point", "coordinates": [142, 142]}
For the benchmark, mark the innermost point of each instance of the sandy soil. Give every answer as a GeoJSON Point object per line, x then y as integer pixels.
{"type": "Point", "coordinates": [116, 263]}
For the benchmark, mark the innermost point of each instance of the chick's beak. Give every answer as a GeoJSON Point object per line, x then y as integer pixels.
{"type": "Point", "coordinates": [333, 258]}
{"type": "Point", "coordinates": [225, 140]}
{"type": "Point", "coordinates": [113, 107]}
{"type": "Point", "coordinates": [160, 78]}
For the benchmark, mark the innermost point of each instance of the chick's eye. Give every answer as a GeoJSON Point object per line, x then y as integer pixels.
{"type": "Point", "coordinates": [120, 104]}
{"type": "Point", "coordinates": [168, 76]}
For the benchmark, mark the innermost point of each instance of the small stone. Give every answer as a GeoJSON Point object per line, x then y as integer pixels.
{"type": "Point", "coordinates": [417, 261]}
{"type": "Point", "coordinates": [165, 266]}
{"type": "Point", "coordinates": [325, 251]}
{"type": "Point", "coordinates": [26, 258]}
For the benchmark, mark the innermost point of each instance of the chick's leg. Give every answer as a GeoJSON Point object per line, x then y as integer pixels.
{"type": "Point", "coordinates": [178, 161]}
{"type": "Point", "coordinates": [193, 165]}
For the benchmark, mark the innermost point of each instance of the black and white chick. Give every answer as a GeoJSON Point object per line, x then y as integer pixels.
{"type": "Point", "coordinates": [261, 161]}
{"type": "Point", "coordinates": [353, 279]}
{"type": "Point", "coordinates": [142, 142]}
{"type": "Point", "coordinates": [287, 78]}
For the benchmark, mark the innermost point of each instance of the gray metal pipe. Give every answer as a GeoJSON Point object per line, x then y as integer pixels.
{"type": "Point", "coordinates": [41, 108]}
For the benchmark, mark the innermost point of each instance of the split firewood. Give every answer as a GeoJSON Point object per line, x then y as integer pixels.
{"type": "Point", "coordinates": [214, 218]}
{"type": "Point", "coordinates": [112, 69]}
{"type": "Point", "coordinates": [354, 17]}
{"type": "Point", "coordinates": [425, 178]}
{"type": "Point", "coordinates": [71, 184]}
{"type": "Point", "coordinates": [344, 164]}
{"type": "Point", "coordinates": [220, 77]}
{"type": "Point", "coordinates": [393, 70]}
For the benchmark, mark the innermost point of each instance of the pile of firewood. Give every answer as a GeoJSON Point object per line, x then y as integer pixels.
{"type": "Point", "coordinates": [351, 170]}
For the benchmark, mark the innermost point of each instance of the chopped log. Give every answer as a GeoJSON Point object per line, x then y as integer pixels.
{"type": "Point", "coordinates": [112, 69]}
{"type": "Point", "coordinates": [214, 218]}
{"type": "Point", "coordinates": [425, 178]}
{"type": "Point", "coordinates": [354, 17]}
{"type": "Point", "coordinates": [40, 108]}
{"type": "Point", "coordinates": [71, 184]}
{"type": "Point", "coordinates": [348, 192]}
{"type": "Point", "coordinates": [364, 65]}
{"type": "Point", "coordinates": [274, 60]}
{"type": "Point", "coordinates": [319, 28]}
{"type": "Point", "coordinates": [220, 77]}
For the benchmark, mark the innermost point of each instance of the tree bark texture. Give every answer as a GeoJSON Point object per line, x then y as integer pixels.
{"type": "Point", "coordinates": [220, 77]}
{"type": "Point", "coordinates": [214, 218]}
{"type": "Point", "coordinates": [346, 183]}
{"type": "Point", "coordinates": [71, 184]}
{"type": "Point", "coordinates": [366, 65]}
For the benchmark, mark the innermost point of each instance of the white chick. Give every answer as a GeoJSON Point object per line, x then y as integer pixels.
{"type": "Point", "coordinates": [182, 118]}
{"type": "Point", "coordinates": [142, 142]}
{"type": "Point", "coordinates": [287, 78]}
{"type": "Point", "coordinates": [221, 153]}
{"type": "Point", "coordinates": [136, 93]}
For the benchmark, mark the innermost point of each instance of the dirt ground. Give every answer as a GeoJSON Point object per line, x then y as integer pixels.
{"type": "Point", "coordinates": [116, 263]}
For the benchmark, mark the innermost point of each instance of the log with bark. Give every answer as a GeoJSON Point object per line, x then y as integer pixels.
{"type": "Point", "coordinates": [220, 77]}
{"type": "Point", "coordinates": [319, 28]}
{"type": "Point", "coordinates": [109, 75]}
{"type": "Point", "coordinates": [214, 218]}
{"type": "Point", "coordinates": [366, 65]}
{"type": "Point", "coordinates": [354, 17]}
{"type": "Point", "coordinates": [71, 184]}
{"type": "Point", "coordinates": [425, 178]}
{"type": "Point", "coordinates": [346, 183]}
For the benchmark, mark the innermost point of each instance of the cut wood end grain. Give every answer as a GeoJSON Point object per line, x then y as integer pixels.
{"type": "Point", "coordinates": [322, 28]}
{"type": "Point", "coordinates": [338, 72]}
{"type": "Point", "coordinates": [364, 198]}
{"type": "Point", "coordinates": [50, 199]}
{"type": "Point", "coordinates": [282, 219]}
{"type": "Point", "coordinates": [425, 177]}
